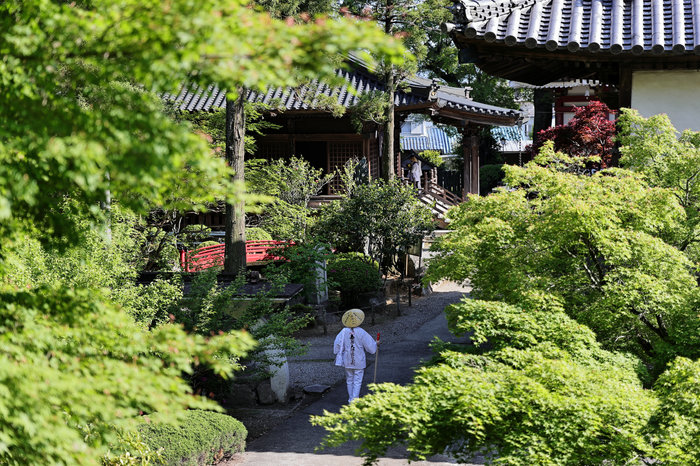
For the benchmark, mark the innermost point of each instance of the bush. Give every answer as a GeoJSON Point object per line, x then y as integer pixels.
{"type": "Point", "coordinates": [300, 265]}
{"type": "Point", "coordinates": [211, 307]}
{"type": "Point", "coordinates": [491, 176]}
{"type": "Point", "coordinates": [292, 182]}
{"type": "Point", "coordinates": [257, 234]}
{"type": "Point", "coordinates": [383, 219]}
{"type": "Point", "coordinates": [353, 273]}
{"type": "Point", "coordinates": [205, 244]}
{"type": "Point", "coordinates": [201, 437]}
{"type": "Point", "coordinates": [131, 450]}
{"type": "Point", "coordinates": [433, 157]}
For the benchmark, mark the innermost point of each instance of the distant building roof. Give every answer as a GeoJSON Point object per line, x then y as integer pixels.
{"type": "Point", "coordinates": [436, 139]}
{"type": "Point", "coordinates": [423, 95]}
{"type": "Point", "coordinates": [558, 84]}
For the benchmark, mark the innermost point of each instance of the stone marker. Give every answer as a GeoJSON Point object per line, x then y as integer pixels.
{"type": "Point", "coordinates": [265, 394]}
{"type": "Point", "coordinates": [243, 395]}
{"type": "Point", "coordinates": [316, 389]}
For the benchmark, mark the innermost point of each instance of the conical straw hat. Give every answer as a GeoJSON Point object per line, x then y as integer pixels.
{"type": "Point", "coordinates": [353, 318]}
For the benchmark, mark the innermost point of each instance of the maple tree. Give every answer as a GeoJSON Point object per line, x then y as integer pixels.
{"type": "Point", "coordinates": [583, 316]}
{"type": "Point", "coordinates": [590, 133]}
{"type": "Point", "coordinates": [83, 129]}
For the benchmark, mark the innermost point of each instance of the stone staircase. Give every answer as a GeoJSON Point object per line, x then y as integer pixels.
{"type": "Point", "coordinates": [428, 242]}
{"type": "Point", "coordinates": [439, 199]}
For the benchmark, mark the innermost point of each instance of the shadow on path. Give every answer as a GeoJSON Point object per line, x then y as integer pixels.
{"type": "Point", "coordinates": [293, 442]}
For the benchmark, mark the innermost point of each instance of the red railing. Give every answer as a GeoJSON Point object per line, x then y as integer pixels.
{"type": "Point", "coordinates": [212, 256]}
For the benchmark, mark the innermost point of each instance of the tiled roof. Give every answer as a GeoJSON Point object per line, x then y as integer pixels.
{"type": "Point", "coordinates": [437, 139]}
{"type": "Point", "coordinates": [638, 27]}
{"type": "Point", "coordinates": [455, 98]}
{"type": "Point", "coordinates": [423, 92]}
{"type": "Point", "coordinates": [194, 99]}
{"type": "Point", "coordinates": [558, 84]}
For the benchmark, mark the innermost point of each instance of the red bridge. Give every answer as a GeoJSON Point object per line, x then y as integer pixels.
{"type": "Point", "coordinates": [212, 256]}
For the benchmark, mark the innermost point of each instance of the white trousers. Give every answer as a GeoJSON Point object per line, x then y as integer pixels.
{"type": "Point", "coordinates": [353, 377]}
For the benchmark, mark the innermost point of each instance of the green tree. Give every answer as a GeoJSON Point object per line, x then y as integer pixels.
{"type": "Point", "coordinates": [598, 243]}
{"type": "Point", "coordinates": [74, 367]}
{"type": "Point", "coordinates": [675, 424]}
{"type": "Point", "coordinates": [291, 183]}
{"type": "Point", "coordinates": [544, 392]}
{"type": "Point", "coordinates": [652, 147]}
{"type": "Point", "coordinates": [385, 218]}
{"type": "Point", "coordinates": [586, 332]}
{"type": "Point", "coordinates": [286, 8]}
{"type": "Point", "coordinates": [402, 19]}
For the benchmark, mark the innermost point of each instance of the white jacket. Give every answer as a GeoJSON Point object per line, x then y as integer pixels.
{"type": "Point", "coordinates": [416, 171]}
{"type": "Point", "coordinates": [351, 351]}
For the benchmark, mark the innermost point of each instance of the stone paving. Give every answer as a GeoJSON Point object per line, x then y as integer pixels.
{"type": "Point", "coordinates": [405, 343]}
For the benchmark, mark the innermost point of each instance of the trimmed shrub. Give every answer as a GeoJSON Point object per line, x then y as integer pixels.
{"type": "Point", "coordinates": [491, 176]}
{"type": "Point", "coordinates": [257, 234]}
{"type": "Point", "coordinates": [353, 273]}
{"type": "Point", "coordinates": [130, 450]}
{"type": "Point", "coordinates": [201, 437]}
{"type": "Point", "coordinates": [207, 243]}
{"type": "Point", "coordinates": [433, 157]}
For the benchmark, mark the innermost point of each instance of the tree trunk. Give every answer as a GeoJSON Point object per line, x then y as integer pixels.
{"type": "Point", "coordinates": [235, 256]}
{"type": "Point", "coordinates": [388, 161]}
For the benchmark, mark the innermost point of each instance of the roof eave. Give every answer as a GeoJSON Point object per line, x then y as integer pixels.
{"type": "Point", "coordinates": [462, 116]}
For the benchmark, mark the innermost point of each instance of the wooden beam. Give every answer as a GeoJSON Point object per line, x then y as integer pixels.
{"type": "Point", "coordinates": [340, 137]}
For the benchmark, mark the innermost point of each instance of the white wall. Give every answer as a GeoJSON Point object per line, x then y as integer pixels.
{"type": "Point", "coordinates": [675, 93]}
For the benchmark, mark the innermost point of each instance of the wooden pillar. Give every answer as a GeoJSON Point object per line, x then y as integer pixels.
{"type": "Point", "coordinates": [467, 154]}
{"type": "Point", "coordinates": [365, 154]}
{"type": "Point", "coordinates": [381, 154]}
{"type": "Point", "coordinates": [543, 100]}
{"type": "Point", "coordinates": [625, 87]}
{"type": "Point", "coordinates": [470, 143]}
{"type": "Point", "coordinates": [474, 143]}
{"type": "Point", "coordinates": [397, 144]}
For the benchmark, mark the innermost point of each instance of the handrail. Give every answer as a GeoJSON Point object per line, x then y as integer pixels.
{"type": "Point", "coordinates": [443, 194]}
{"type": "Point", "coordinates": [212, 256]}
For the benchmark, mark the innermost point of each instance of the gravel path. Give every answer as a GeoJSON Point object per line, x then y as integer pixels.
{"type": "Point", "coordinates": [291, 440]}
{"type": "Point", "coordinates": [316, 366]}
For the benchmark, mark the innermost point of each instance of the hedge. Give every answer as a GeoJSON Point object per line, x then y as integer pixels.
{"type": "Point", "coordinates": [201, 437]}
{"type": "Point", "coordinates": [257, 234]}
{"type": "Point", "coordinates": [353, 273]}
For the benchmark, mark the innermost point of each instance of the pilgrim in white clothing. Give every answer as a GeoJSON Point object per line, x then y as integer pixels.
{"type": "Point", "coordinates": [416, 172]}
{"type": "Point", "coordinates": [350, 346]}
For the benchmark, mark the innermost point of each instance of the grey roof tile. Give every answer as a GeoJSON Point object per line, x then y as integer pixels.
{"type": "Point", "coordinates": [195, 99]}
{"type": "Point", "coordinates": [651, 27]}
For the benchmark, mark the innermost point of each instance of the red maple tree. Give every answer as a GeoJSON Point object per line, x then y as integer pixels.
{"type": "Point", "coordinates": [589, 133]}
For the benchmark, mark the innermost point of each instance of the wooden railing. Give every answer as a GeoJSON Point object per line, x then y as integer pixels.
{"type": "Point", "coordinates": [444, 195]}
{"type": "Point", "coordinates": [213, 256]}
{"type": "Point", "coordinates": [438, 192]}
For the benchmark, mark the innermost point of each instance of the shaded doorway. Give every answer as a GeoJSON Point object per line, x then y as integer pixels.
{"type": "Point", "coordinates": [316, 153]}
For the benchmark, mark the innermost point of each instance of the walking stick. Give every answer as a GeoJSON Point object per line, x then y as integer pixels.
{"type": "Point", "coordinates": [376, 359]}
